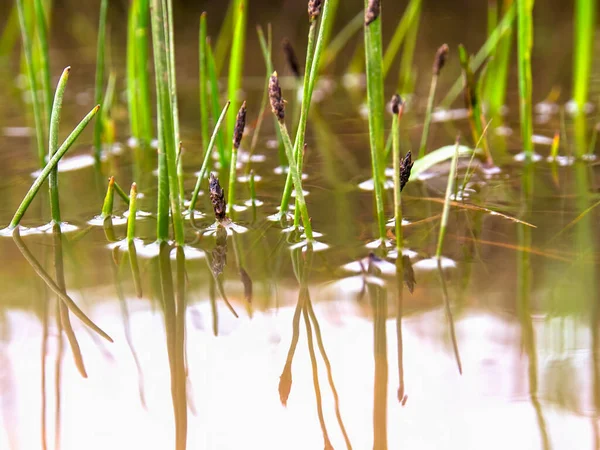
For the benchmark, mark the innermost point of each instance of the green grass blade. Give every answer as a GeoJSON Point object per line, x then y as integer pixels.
{"type": "Point", "coordinates": [203, 81]}
{"type": "Point", "coordinates": [170, 35]}
{"type": "Point", "coordinates": [166, 132]}
{"type": "Point", "coordinates": [266, 46]}
{"type": "Point", "coordinates": [297, 181]}
{"type": "Point", "coordinates": [585, 23]}
{"type": "Point", "coordinates": [33, 89]}
{"type": "Point", "coordinates": [484, 52]}
{"type": "Point", "coordinates": [121, 193]}
{"type": "Point", "coordinates": [374, 60]}
{"type": "Point", "coordinates": [496, 81]}
{"type": "Point", "coordinates": [236, 65]}
{"type": "Point", "coordinates": [109, 199]}
{"type": "Point", "coordinates": [214, 96]}
{"type": "Point", "coordinates": [223, 43]}
{"type": "Point", "coordinates": [100, 72]}
{"type": "Point", "coordinates": [525, 44]}
{"type": "Point", "coordinates": [42, 35]}
{"type": "Point", "coordinates": [138, 83]}
{"type": "Point", "coordinates": [342, 38]}
{"type": "Point", "coordinates": [204, 168]}
{"type": "Point", "coordinates": [132, 213]}
{"type": "Point", "coordinates": [53, 143]}
{"type": "Point", "coordinates": [399, 34]}
{"type": "Point", "coordinates": [406, 75]}
{"type": "Point", "coordinates": [37, 184]}
{"type": "Point", "coordinates": [309, 85]}
{"type": "Point", "coordinates": [397, 190]}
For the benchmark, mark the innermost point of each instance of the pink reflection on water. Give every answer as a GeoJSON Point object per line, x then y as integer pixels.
{"type": "Point", "coordinates": [234, 379]}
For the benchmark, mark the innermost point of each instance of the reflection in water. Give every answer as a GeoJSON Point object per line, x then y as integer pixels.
{"type": "Point", "coordinates": [378, 297]}
{"type": "Point", "coordinates": [403, 266]}
{"type": "Point", "coordinates": [524, 287]}
{"type": "Point", "coordinates": [302, 264]}
{"type": "Point", "coordinates": [174, 316]}
{"type": "Point", "coordinates": [449, 316]}
{"type": "Point", "coordinates": [127, 328]}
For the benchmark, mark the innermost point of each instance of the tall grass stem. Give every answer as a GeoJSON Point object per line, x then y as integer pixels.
{"type": "Point", "coordinates": [33, 86]}
{"type": "Point", "coordinates": [205, 162]}
{"type": "Point", "coordinates": [53, 143]}
{"type": "Point", "coordinates": [100, 72]}
{"type": "Point", "coordinates": [374, 61]}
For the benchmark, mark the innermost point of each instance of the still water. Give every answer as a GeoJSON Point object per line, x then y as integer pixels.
{"type": "Point", "coordinates": [497, 348]}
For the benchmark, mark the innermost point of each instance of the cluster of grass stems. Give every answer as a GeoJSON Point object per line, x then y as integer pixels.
{"type": "Point", "coordinates": [483, 82]}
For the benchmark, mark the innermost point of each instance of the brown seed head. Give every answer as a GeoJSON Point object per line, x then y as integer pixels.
{"type": "Point", "coordinates": [405, 169]}
{"type": "Point", "coordinates": [217, 197]}
{"type": "Point", "coordinates": [277, 105]}
{"type": "Point", "coordinates": [372, 12]}
{"type": "Point", "coordinates": [397, 103]}
{"type": "Point", "coordinates": [440, 59]}
{"type": "Point", "coordinates": [240, 124]}
{"type": "Point", "coordinates": [290, 57]}
{"type": "Point", "coordinates": [314, 9]}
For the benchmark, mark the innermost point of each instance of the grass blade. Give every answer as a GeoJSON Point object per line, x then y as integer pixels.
{"type": "Point", "coordinates": [585, 22]}
{"type": "Point", "coordinates": [168, 181]}
{"type": "Point", "coordinates": [374, 60]}
{"type": "Point", "coordinates": [100, 72]}
{"type": "Point", "coordinates": [525, 44]}
{"type": "Point", "coordinates": [203, 80]}
{"type": "Point", "coordinates": [37, 184]}
{"type": "Point", "coordinates": [204, 168]}
{"type": "Point", "coordinates": [484, 52]}
{"type": "Point", "coordinates": [53, 143]}
{"type": "Point", "coordinates": [42, 34]}
{"type": "Point", "coordinates": [398, 38]}
{"type": "Point", "coordinates": [33, 90]}
{"type": "Point", "coordinates": [236, 65]}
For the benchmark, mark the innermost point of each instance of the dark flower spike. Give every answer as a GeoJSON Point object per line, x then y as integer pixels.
{"type": "Point", "coordinates": [290, 57]}
{"type": "Point", "coordinates": [217, 197]}
{"type": "Point", "coordinates": [372, 12]}
{"type": "Point", "coordinates": [405, 169]}
{"type": "Point", "coordinates": [277, 104]}
{"type": "Point", "coordinates": [240, 124]}
{"type": "Point", "coordinates": [397, 104]}
{"type": "Point", "coordinates": [440, 59]}
{"type": "Point", "coordinates": [314, 9]}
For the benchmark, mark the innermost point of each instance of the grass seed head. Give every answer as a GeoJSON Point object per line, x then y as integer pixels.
{"type": "Point", "coordinates": [277, 104]}
{"type": "Point", "coordinates": [372, 12]}
{"type": "Point", "coordinates": [217, 197]}
{"type": "Point", "coordinates": [405, 169]}
{"type": "Point", "coordinates": [440, 59]}
{"type": "Point", "coordinates": [397, 103]}
{"type": "Point", "coordinates": [314, 9]}
{"type": "Point", "coordinates": [240, 124]}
